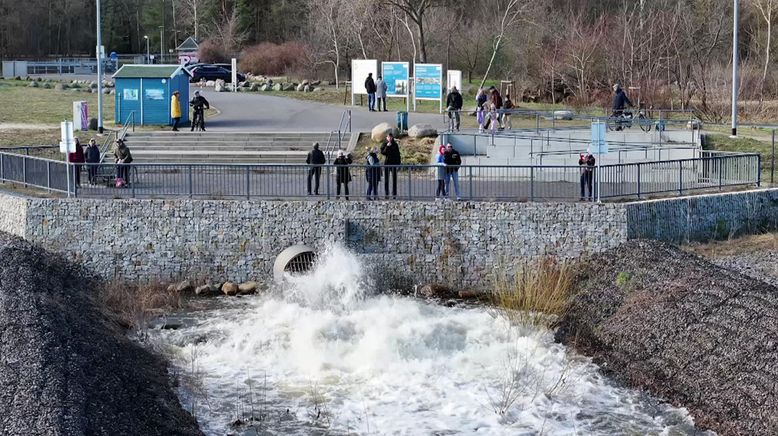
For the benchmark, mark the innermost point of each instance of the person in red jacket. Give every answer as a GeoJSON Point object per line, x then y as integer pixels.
{"type": "Point", "coordinates": [77, 158]}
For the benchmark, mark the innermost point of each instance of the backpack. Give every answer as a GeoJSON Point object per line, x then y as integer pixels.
{"type": "Point", "coordinates": [120, 182]}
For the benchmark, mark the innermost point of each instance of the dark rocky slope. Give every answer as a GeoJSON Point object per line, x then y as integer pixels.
{"type": "Point", "coordinates": [672, 323]}
{"type": "Point", "coordinates": [65, 367]}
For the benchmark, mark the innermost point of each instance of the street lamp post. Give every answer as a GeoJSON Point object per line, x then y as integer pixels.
{"type": "Point", "coordinates": [148, 54]}
{"type": "Point", "coordinates": [99, 73]}
{"type": "Point", "coordinates": [161, 43]}
{"type": "Point", "coordinates": [735, 26]}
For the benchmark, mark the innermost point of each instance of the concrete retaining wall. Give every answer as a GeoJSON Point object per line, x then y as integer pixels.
{"type": "Point", "coordinates": [456, 242]}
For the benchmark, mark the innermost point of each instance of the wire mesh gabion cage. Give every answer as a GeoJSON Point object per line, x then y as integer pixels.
{"type": "Point", "coordinates": [295, 260]}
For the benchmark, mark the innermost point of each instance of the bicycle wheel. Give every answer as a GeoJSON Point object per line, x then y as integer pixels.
{"type": "Point", "coordinates": [645, 123]}
{"type": "Point", "coordinates": [612, 122]}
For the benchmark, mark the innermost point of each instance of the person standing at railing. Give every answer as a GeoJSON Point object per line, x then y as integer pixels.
{"type": "Point", "coordinates": [391, 151]}
{"type": "Point", "coordinates": [440, 172]}
{"type": "Point", "coordinates": [453, 161]}
{"type": "Point", "coordinates": [495, 103]}
{"type": "Point", "coordinates": [371, 89]}
{"type": "Point", "coordinates": [454, 107]}
{"type": "Point", "coordinates": [480, 101]}
{"type": "Point", "coordinates": [77, 159]}
{"type": "Point", "coordinates": [380, 93]}
{"type": "Point", "coordinates": [586, 163]}
{"type": "Point", "coordinates": [508, 108]}
{"type": "Point", "coordinates": [123, 158]}
{"type": "Point", "coordinates": [372, 174]}
{"type": "Point", "coordinates": [175, 110]}
{"type": "Point", "coordinates": [93, 159]}
{"type": "Point", "coordinates": [315, 159]}
{"type": "Point", "coordinates": [342, 173]}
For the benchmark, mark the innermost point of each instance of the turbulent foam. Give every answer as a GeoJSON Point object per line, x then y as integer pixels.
{"type": "Point", "coordinates": [338, 358]}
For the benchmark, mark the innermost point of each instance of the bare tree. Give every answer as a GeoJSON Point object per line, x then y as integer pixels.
{"type": "Point", "coordinates": [330, 29]}
{"type": "Point", "coordinates": [510, 12]}
{"type": "Point", "coordinates": [766, 9]}
{"type": "Point", "coordinates": [415, 10]}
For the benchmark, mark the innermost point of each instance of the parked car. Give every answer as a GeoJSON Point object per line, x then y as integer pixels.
{"type": "Point", "coordinates": [213, 72]}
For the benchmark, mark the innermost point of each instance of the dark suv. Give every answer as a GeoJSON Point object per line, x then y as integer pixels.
{"type": "Point", "coordinates": [213, 72]}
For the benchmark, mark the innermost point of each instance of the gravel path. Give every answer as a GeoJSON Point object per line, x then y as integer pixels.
{"type": "Point", "coordinates": [65, 368]}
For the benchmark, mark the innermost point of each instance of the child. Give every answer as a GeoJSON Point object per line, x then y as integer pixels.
{"type": "Point", "coordinates": [441, 172]}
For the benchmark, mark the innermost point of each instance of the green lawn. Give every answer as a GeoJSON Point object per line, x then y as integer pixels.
{"type": "Point", "coordinates": [22, 104]}
{"type": "Point", "coordinates": [762, 145]}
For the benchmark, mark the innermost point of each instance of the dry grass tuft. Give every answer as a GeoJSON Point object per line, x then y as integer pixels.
{"type": "Point", "coordinates": [536, 294]}
{"type": "Point", "coordinates": [737, 246]}
{"type": "Point", "coordinates": [134, 303]}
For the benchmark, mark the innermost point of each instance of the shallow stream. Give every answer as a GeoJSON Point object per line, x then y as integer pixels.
{"type": "Point", "coordinates": [323, 357]}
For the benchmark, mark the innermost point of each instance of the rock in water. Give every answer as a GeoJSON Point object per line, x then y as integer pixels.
{"type": "Point", "coordinates": [380, 131]}
{"type": "Point", "coordinates": [230, 288]}
{"type": "Point", "coordinates": [672, 323]}
{"type": "Point", "coordinates": [66, 368]}
{"type": "Point", "coordinates": [247, 288]}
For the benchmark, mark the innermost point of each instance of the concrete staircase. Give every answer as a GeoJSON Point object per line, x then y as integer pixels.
{"type": "Point", "coordinates": [221, 147]}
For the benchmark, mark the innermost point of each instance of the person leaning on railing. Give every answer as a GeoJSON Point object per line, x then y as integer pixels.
{"type": "Point", "coordinates": [586, 162]}
{"type": "Point", "coordinates": [452, 160]}
{"type": "Point", "coordinates": [342, 173]}
{"type": "Point", "coordinates": [123, 157]}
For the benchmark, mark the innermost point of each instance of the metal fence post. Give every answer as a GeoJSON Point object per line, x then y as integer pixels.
{"type": "Point", "coordinates": [721, 173]}
{"type": "Point", "coordinates": [532, 183]}
{"type": "Point", "coordinates": [410, 184]}
{"type": "Point", "coordinates": [772, 162]}
{"type": "Point", "coordinates": [191, 182]}
{"type": "Point", "coordinates": [680, 177]}
{"type": "Point", "coordinates": [639, 165]}
{"type": "Point", "coordinates": [470, 175]}
{"type": "Point", "coordinates": [758, 170]}
{"type": "Point", "coordinates": [537, 123]}
{"type": "Point", "coordinates": [24, 171]}
{"type": "Point", "coordinates": [48, 175]}
{"type": "Point", "coordinates": [248, 182]}
{"type": "Point", "coordinates": [329, 181]}
{"type": "Point", "coordinates": [2, 168]}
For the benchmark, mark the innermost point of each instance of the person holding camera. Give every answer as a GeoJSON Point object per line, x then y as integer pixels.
{"type": "Point", "coordinates": [391, 151]}
{"type": "Point", "coordinates": [586, 163]}
{"type": "Point", "coordinates": [342, 173]}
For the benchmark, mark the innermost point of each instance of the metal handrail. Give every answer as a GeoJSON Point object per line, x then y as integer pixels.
{"type": "Point", "coordinates": [119, 135]}
{"type": "Point", "coordinates": [345, 118]}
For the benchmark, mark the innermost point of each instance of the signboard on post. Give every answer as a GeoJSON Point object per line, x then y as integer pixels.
{"type": "Point", "coordinates": [80, 116]}
{"type": "Point", "coordinates": [428, 79]}
{"type": "Point", "coordinates": [598, 147]}
{"type": "Point", "coordinates": [396, 76]}
{"type": "Point", "coordinates": [454, 78]}
{"type": "Point", "coordinates": [234, 75]}
{"type": "Point", "coordinates": [67, 144]}
{"type": "Point", "coordinates": [360, 68]}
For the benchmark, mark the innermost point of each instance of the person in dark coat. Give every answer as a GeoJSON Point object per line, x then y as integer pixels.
{"type": "Point", "coordinates": [372, 174]}
{"type": "Point", "coordinates": [391, 151]}
{"type": "Point", "coordinates": [77, 158]}
{"type": "Point", "coordinates": [93, 159]}
{"type": "Point", "coordinates": [123, 158]}
{"type": "Point", "coordinates": [454, 107]}
{"type": "Point", "coordinates": [371, 89]}
{"type": "Point", "coordinates": [342, 173]}
{"type": "Point", "coordinates": [620, 100]}
{"type": "Point", "coordinates": [316, 159]}
{"type": "Point", "coordinates": [452, 160]}
{"type": "Point", "coordinates": [587, 162]}
{"type": "Point", "coordinates": [199, 105]}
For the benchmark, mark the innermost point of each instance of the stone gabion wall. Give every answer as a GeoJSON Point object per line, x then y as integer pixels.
{"type": "Point", "coordinates": [462, 243]}
{"type": "Point", "coordinates": [445, 241]}
{"type": "Point", "coordinates": [704, 217]}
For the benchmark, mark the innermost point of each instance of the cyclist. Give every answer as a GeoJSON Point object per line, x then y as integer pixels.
{"type": "Point", "coordinates": [620, 102]}
{"type": "Point", "coordinates": [199, 104]}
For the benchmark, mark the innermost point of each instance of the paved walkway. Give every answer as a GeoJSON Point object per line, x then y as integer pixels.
{"type": "Point", "coordinates": [256, 112]}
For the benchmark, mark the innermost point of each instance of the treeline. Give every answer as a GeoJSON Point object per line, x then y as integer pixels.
{"type": "Point", "coordinates": [671, 52]}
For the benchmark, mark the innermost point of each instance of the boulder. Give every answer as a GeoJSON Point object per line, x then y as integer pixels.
{"type": "Point", "coordinates": [107, 90]}
{"type": "Point", "coordinates": [301, 87]}
{"type": "Point", "coordinates": [317, 89]}
{"type": "Point", "coordinates": [206, 290]}
{"type": "Point", "coordinates": [563, 115]}
{"type": "Point", "coordinates": [266, 87]}
{"type": "Point", "coordinates": [230, 289]}
{"type": "Point", "coordinates": [112, 91]}
{"type": "Point", "coordinates": [93, 85]}
{"type": "Point", "coordinates": [247, 288]}
{"type": "Point", "coordinates": [325, 83]}
{"type": "Point", "coordinates": [219, 86]}
{"type": "Point", "coordinates": [422, 131]}
{"type": "Point", "coordinates": [278, 87]}
{"type": "Point", "coordinates": [47, 85]}
{"type": "Point", "coordinates": [210, 83]}
{"type": "Point", "coordinates": [308, 88]}
{"type": "Point", "coordinates": [436, 290]}
{"type": "Point", "coordinates": [33, 84]}
{"type": "Point", "coordinates": [60, 87]}
{"type": "Point", "coordinates": [185, 286]}
{"type": "Point", "coordinates": [289, 87]}
{"type": "Point", "coordinates": [380, 131]}
{"type": "Point", "coordinates": [254, 87]}
{"type": "Point", "coordinates": [315, 83]}
{"type": "Point", "coordinates": [305, 82]}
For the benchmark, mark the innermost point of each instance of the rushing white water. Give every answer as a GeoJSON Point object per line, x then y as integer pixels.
{"type": "Point", "coordinates": [324, 357]}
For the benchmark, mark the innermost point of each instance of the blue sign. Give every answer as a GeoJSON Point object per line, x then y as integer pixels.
{"type": "Point", "coordinates": [114, 56]}
{"type": "Point", "coordinates": [396, 77]}
{"type": "Point", "coordinates": [429, 81]}
{"type": "Point", "coordinates": [599, 144]}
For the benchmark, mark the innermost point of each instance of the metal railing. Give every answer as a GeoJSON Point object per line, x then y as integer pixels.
{"type": "Point", "coordinates": [344, 127]}
{"type": "Point", "coordinates": [715, 171]}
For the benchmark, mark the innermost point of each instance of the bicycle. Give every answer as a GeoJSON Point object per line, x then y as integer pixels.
{"type": "Point", "coordinates": [625, 120]}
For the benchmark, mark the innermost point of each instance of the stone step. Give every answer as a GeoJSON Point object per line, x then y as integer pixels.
{"type": "Point", "coordinates": [162, 144]}
{"type": "Point", "coordinates": [225, 136]}
{"type": "Point", "coordinates": [280, 159]}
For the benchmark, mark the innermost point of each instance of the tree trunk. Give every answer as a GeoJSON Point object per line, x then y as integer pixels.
{"type": "Point", "coordinates": [422, 44]}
